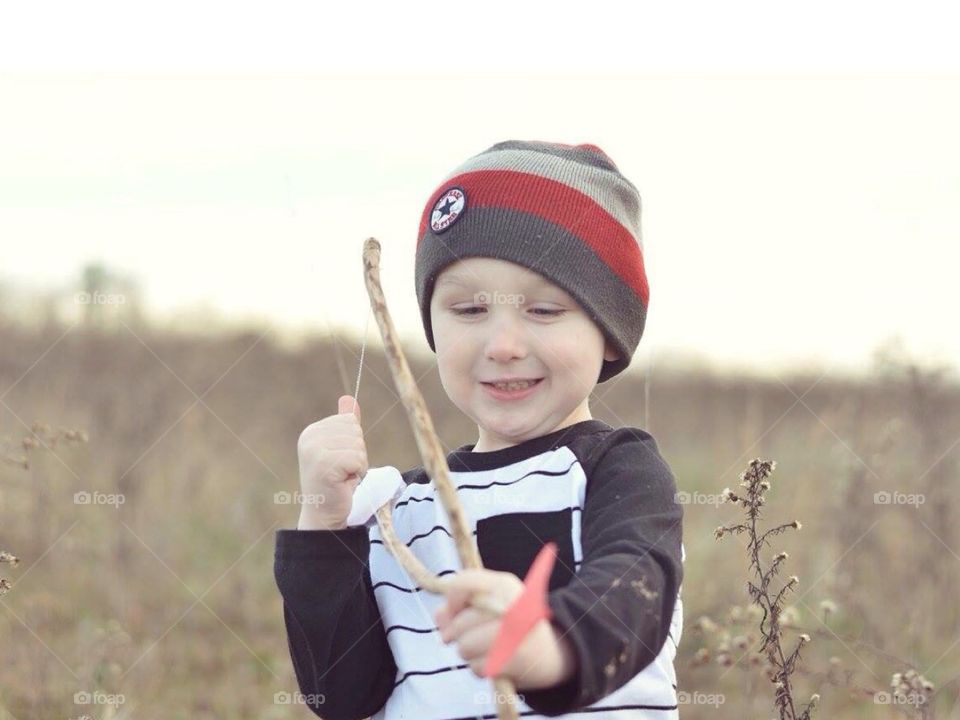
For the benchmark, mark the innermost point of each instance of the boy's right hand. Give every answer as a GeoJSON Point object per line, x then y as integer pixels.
{"type": "Point", "coordinates": [333, 459]}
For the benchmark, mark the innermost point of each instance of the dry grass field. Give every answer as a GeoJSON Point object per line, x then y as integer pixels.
{"type": "Point", "coordinates": [144, 587]}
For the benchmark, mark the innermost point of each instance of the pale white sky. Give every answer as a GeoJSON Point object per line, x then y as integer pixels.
{"type": "Point", "coordinates": [791, 215]}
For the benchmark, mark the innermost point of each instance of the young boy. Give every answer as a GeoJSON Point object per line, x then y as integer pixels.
{"type": "Point", "coordinates": [529, 272]}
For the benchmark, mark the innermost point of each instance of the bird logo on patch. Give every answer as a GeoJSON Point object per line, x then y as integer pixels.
{"type": "Point", "coordinates": [448, 209]}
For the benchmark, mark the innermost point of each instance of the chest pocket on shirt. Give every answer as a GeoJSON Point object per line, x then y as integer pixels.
{"type": "Point", "coordinates": [511, 541]}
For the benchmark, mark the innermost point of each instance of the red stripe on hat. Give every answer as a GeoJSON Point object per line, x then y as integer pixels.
{"type": "Point", "coordinates": [557, 203]}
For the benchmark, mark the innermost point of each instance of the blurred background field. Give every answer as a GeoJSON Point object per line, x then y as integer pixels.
{"type": "Point", "coordinates": [168, 599]}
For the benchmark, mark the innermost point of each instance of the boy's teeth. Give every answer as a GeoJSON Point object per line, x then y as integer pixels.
{"type": "Point", "coordinates": [514, 385]}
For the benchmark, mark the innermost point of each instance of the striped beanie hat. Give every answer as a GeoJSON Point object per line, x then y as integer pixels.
{"type": "Point", "coordinates": [563, 211]}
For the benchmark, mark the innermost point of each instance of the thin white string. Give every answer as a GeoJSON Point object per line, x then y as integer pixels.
{"type": "Point", "coordinates": [363, 347]}
{"type": "Point", "coordinates": [356, 391]}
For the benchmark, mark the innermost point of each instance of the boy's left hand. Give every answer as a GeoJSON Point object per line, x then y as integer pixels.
{"type": "Point", "coordinates": [542, 659]}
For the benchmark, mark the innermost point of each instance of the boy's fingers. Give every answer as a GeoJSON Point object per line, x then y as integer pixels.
{"type": "Point", "coordinates": [463, 585]}
{"type": "Point", "coordinates": [345, 405]}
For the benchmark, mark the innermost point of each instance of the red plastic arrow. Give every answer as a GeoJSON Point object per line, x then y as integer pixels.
{"type": "Point", "coordinates": [524, 612]}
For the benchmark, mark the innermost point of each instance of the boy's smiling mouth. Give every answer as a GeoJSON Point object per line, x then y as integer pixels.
{"type": "Point", "coordinates": [514, 389]}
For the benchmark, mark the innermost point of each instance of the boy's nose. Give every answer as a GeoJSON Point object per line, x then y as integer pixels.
{"type": "Point", "coordinates": [507, 339]}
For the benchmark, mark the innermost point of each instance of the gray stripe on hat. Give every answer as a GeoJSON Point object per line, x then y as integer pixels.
{"type": "Point", "coordinates": [608, 188]}
{"type": "Point", "coordinates": [546, 248]}
{"type": "Point", "coordinates": [577, 153]}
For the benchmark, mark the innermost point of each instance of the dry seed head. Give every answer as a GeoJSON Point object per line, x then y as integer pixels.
{"type": "Point", "coordinates": [6, 557]}
{"type": "Point", "coordinates": [782, 556]}
{"type": "Point", "coordinates": [702, 656]}
{"type": "Point", "coordinates": [790, 616]}
{"type": "Point", "coordinates": [827, 607]}
{"type": "Point", "coordinates": [796, 524]}
{"type": "Point", "coordinates": [804, 638]}
{"type": "Point", "coordinates": [705, 624]}
{"type": "Point", "coordinates": [76, 435]}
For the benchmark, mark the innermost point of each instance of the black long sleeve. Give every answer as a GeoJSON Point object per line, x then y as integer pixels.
{"type": "Point", "coordinates": [617, 610]}
{"type": "Point", "coordinates": [343, 664]}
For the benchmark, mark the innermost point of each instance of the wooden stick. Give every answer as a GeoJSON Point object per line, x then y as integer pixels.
{"type": "Point", "coordinates": [431, 451]}
{"type": "Point", "coordinates": [419, 572]}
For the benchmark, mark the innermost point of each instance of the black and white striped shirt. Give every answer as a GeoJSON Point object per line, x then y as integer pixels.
{"type": "Point", "coordinates": [361, 634]}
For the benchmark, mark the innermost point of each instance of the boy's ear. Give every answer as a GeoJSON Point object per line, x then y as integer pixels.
{"type": "Point", "coordinates": [610, 353]}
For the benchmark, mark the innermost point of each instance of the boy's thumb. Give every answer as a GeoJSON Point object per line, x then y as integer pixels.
{"type": "Point", "coordinates": [345, 405]}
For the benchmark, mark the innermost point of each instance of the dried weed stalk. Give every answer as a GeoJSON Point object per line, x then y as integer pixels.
{"type": "Point", "coordinates": [41, 436]}
{"type": "Point", "coordinates": [782, 664]}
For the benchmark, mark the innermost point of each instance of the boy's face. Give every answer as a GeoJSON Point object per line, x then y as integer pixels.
{"type": "Point", "coordinates": [495, 319]}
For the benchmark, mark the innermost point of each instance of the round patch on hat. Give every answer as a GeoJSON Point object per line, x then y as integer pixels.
{"type": "Point", "coordinates": [448, 209]}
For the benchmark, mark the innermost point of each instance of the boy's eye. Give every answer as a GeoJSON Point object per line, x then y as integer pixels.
{"type": "Point", "coordinates": [541, 311]}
